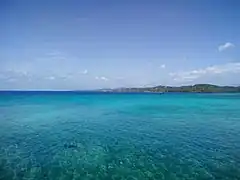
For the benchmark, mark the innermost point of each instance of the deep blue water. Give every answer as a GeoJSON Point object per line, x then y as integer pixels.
{"type": "Point", "coordinates": [103, 136]}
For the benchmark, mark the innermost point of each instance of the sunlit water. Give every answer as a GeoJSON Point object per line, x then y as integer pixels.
{"type": "Point", "coordinates": [97, 136]}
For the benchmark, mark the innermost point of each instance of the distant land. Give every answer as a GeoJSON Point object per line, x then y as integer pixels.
{"type": "Point", "coordinates": [197, 88]}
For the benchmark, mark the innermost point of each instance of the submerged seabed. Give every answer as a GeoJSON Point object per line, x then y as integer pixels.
{"type": "Point", "coordinates": [73, 135]}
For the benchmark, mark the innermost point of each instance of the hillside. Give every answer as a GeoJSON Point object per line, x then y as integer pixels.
{"type": "Point", "coordinates": [200, 88]}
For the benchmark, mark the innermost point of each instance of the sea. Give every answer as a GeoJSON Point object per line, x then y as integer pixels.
{"type": "Point", "coordinates": [119, 136]}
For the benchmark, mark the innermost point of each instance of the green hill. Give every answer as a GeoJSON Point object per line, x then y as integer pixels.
{"type": "Point", "coordinates": [200, 88]}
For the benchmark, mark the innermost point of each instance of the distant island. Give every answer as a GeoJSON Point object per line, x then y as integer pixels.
{"type": "Point", "coordinates": [197, 88]}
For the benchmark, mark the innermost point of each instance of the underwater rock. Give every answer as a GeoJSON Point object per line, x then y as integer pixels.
{"type": "Point", "coordinates": [72, 145]}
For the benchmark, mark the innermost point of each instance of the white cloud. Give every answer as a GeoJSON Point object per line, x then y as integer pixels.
{"type": "Point", "coordinates": [85, 71]}
{"type": "Point", "coordinates": [15, 74]}
{"type": "Point", "coordinates": [163, 66]}
{"type": "Point", "coordinates": [186, 76]}
{"type": "Point", "coordinates": [101, 78]}
{"type": "Point", "coordinates": [226, 46]}
{"type": "Point", "coordinates": [51, 78]}
{"type": "Point", "coordinates": [104, 78]}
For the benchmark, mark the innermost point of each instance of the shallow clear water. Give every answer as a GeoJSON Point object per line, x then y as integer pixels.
{"type": "Point", "coordinates": [70, 135]}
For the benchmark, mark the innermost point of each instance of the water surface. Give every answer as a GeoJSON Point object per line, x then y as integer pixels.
{"type": "Point", "coordinates": [101, 136]}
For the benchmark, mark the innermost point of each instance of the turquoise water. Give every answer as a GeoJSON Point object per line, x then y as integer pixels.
{"type": "Point", "coordinates": [97, 136]}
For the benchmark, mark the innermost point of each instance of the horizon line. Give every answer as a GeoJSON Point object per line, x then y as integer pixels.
{"type": "Point", "coordinates": [99, 89]}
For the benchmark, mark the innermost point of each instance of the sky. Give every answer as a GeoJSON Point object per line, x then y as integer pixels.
{"type": "Point", "coordinates": [88, 44]}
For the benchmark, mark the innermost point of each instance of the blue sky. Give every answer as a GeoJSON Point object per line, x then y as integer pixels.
{"type": "Point", "coordinates": [89, 44]}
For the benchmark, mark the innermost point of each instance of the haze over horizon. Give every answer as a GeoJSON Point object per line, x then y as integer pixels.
{"type": "Point", "coordinates": [69, 45]}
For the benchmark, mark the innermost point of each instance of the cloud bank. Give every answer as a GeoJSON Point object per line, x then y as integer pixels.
{"type": "Point", "coordinates": [185, 76]}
